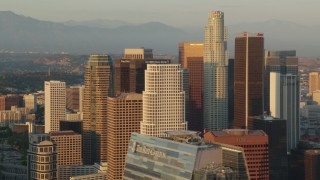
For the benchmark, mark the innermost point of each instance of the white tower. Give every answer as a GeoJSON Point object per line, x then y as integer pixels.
{"type": "Point", "coordinates": [215, 89]}
{"type": "Point", "coordinates": [55, 105]}
{"type": "Point", "coordinates": [163, 100]}
{"type": "Point", "coordinates": [284, 104]}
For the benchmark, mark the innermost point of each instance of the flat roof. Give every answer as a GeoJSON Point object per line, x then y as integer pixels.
{"type": "Point", "coordinates": [63, 133]}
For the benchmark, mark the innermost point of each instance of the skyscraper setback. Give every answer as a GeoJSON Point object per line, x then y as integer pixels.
{"type": "Point", "coordinates": [97, 88]}
{"type": "Point", "coordinates": [248, 77]}
{"type": "Point", "coordinates": [215, 92]}
{"type": "Point", "coordinates": [163, 100]}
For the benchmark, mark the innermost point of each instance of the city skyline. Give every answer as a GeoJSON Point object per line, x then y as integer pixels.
{"type": "Point", "coordinates": [151, 115]}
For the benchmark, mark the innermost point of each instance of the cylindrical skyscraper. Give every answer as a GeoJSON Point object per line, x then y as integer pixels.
{"type": "Point", "coordinates": [215, 92]}
{"type": "Point", "coordinates": [163, 100]}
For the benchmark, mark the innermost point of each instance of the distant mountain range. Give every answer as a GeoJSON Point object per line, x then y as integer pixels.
{"type": "Point", "coordinates": [22, 34]}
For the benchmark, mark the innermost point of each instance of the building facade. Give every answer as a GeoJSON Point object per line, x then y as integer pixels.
{"type": "Point", "coordinates": [75, 98]}
{"type": "Point", "coordinates": [69, 146]}
{"type": "Point", "coordinates": [283, 62]}
{"type": "Point", "coordinates": [276, 130]}
{"type": "Point", "coordinates": [182, 155]}
{"type": "Point", "coordinates": [124, 117]}
{"type": "Point", "coordinates": [138, 53]}
{"type": "Point", "coordinates": [42, 158]}
{"type": "Point", "coordinates": [163, 100]}
{"type": "Point", "coordinates": [313, 82]}
{"type": "Point", "coordinates": [55, 104]}
{"type": "Point", "coordinates": [98, 85]}
{"type": "Point", "coordinates": [254, 143]}
{"type": "Point", "coordinates": [248, 77]}
{"type": "Point", "coordinates": [129, 75]}
{"type": "Point", "coordinates": [191, 58]}
{"type": "Point", "coordinates": [30, 103]}
{"type": "Point", "coordinates": [284, 104]}
{"type": "Point", "coordinates": [215, 69]}
{"type": "Point", "coordinates": [6, 101]}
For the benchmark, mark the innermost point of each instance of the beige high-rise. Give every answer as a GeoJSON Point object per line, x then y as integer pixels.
{"type": "Point", "coordinates": [163, 100]}
{"type": "Point", "coordinates": [97, 88]}
{"type": "Point", "coordinates": [313, 82]}
{"type": "Point", "coordinates": [124, 117]}
{"type": "Point", "coordinates": [55, 105]}
{"type": "Point", "coordinates": [42, 158]}
{"type": "Point", "coordinates": [68, 147]}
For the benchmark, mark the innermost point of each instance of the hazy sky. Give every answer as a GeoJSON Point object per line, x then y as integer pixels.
{"type": "Point", "coordinates": [173, 12]}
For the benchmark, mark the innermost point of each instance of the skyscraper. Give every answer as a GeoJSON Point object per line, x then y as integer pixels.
{"type": "Point", "coordinates": [313, 82]}
{"type": "Point", "coordinates": [124, 117]}
{"type": "Point", "coordinates": [284, 104]}
{"type": "Point", "coordinates": [129, 75]}
{"type": "Point", "coordinates": [55, 105]}
{"type": "Point", "coordinates": [248, 78]}
{"type": "Point", "coordinates": [190, 50]}
{"type": "Point", "coordinates": [215, 68]}
{"type": "Point", "coordinates": [277, 136]}
{"type": "Point", "coordinates": [97, 88]}
{"type": "Point", "coordinates": [68, 147]}
{"type": "Point", "coordinates": [191, 57]}
{"type": "Point", "coordinates": [284, 62]}
{"type": "Point", "coordinates": [163, 100]}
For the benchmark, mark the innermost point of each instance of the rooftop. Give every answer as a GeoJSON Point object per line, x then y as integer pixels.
{"type": "Point", "coordinates": [237, 132]}
{"type": "Point", "coordinates": [63, 133]}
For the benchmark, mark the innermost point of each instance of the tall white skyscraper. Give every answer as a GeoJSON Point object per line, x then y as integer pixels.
{"type": "Point", "coordinates": [163, 100]}
{"type": "Point", "coordinates": [55, 105]}
{"type": "Point", "coordinates": [215, 92]}
{"type": "Point", "coordinates": [284, 104]}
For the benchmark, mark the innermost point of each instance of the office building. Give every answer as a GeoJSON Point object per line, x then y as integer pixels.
{"type": "Point", "coordinates": [69, 146]}
{"type": "Point", "coordinates": [254, 143]}
{"type": "Point", "coordinates": [283, 62]}
{"type": "Point", "coordinates": [215, 69]}
{"type": "Point", "coordinates": [75, 98]}
{"type": "Point", "coordinates": [13, 116]}
{"type": "Point", "coordinates": [30, 103]}
{"type": "Point", "coordinates": [42, 158]}
{"type": "Point", "coordinates": [129, 75]}
{"type": "Point", "coordinates": [71, 125]}
{"type": "Point", "coordinates": [276, 130]}
{"type": "Point", "coordinates": [124, 117]}
{"type": "Point", "coordinates": [138, 53]}
{"type": "Point", "coordinates": [66, 172]}
{"type": "Point", "coordinates": [248, 77]}
{"type": "Point", "coordinates": [98, 85]}
{"type": "Point", "coordinates": [191, 58]}
{"type": "Point", "coordinates": [313, 82]}
{"type": "Point", "coordinates": [284, 104]}
{"type": "Point", "coordinates": [55, 105]}
{"type": "Point", "coordinates": [188, 51]}
{"type": "Point", "coordinates": [231, 93]}
{"type": "Point", "coordinates": [163, 100]}
{"type": "Point", "coordinates": [316, 96]}
{"type": "Point", "coordinates": [182, 155]}
{"type": "Point", "coordinates": [6, 101]}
